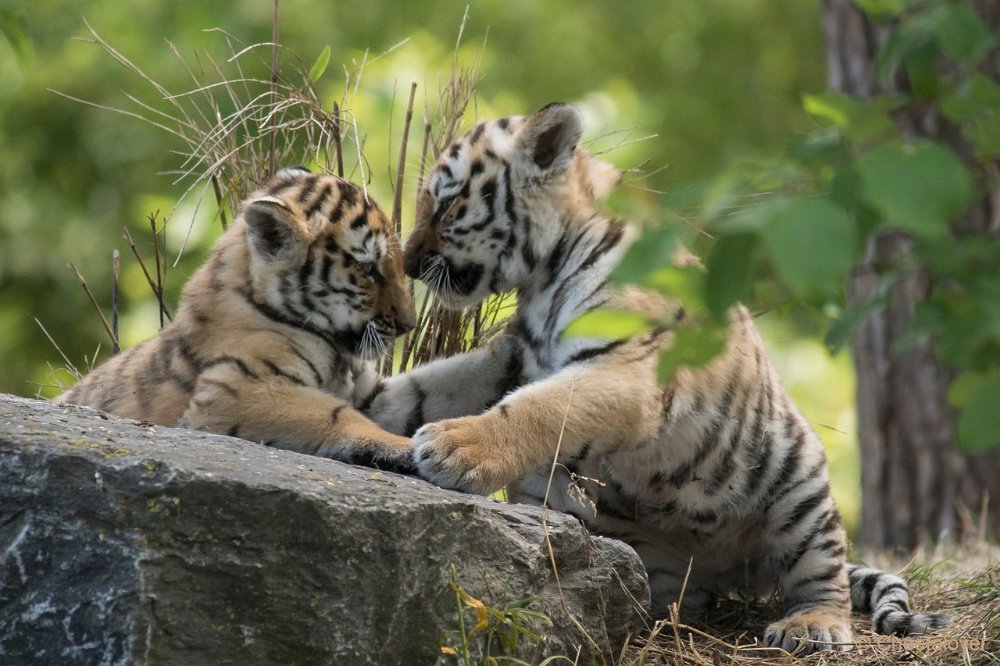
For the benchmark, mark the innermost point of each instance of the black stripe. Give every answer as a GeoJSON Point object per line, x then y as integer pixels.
{"type": "Point", "coordinates": [186, 351]}
{"type": "Point", "coordinates": [803, 508]}
{"type": "Point", "coordinates": [218, 384]}
{"type": "Point", "coordinates": [331, 339]}
{"type": "Point", "coordinates": [360, 220]}
{"type": "Point", "coordinates": [308, 185]}
{"type": "Point", "coordinates": [822, 577]}
{"type": "Point", "coordinates": [867, 585]}
{"type": "Point", "coordinates": [305, 271]}
{"type": "Point", "coordinates": [317, 378]}
{"type": "Point", "coordinates": [416, 417]}
{"type": "Point", "coordinates": [320, 200]}
{"type": "Point", "coordinates": [348, 198]}
{"type": "Point", "coordinates": [365, 404]}
{"type": "Point", "coordinates": [591, 352]}
{"type": "Point", "coordinates": [225, 359]}
{"type": "Point", "coordinates": [281, 373]}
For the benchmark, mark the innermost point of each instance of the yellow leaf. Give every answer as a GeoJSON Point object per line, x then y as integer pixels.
{"type": "Point", "coordinates": [445, 649]}
{"type": "Point", "coordinates": [478, 608]}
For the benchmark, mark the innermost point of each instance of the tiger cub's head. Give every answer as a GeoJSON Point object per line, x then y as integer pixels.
{"type": "Point", "coordinates": [497, 201]}
{"type": "Point", "coordinates": [324, 257]}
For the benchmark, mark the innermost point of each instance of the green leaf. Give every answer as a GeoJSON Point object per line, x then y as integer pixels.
{"type": "Point", "coordinates": [652, 251]}
{"type": "Point", "coordinates": [822, 148]}
{"type": "Point", "coordinates": [811, 243]}
{"type": "Point", "coordinates": [693, 347]}
{"type": "Point", "coordinates": [975, 104]}
{"type": "Point", "coordinates": [683, 283]}
{"type": "Point", "coordinates": [841, 331]}
{"type": "Point", "coordinates": [977, 396]}
{"type": "Point", "coordinates": [14, 26]}
{"type": "Point", "coordinates": [604, 323]}
{"type": "Point", "coordinates": [960, 32]}
{"type": "Point", "coordinates": [316, 71]}
{"type": "Point", "coordinates": [920, 187]}
{"type": "Point", "coordinates": [860, 120]}
{"type": "Point", "coordinates": [728, 278]}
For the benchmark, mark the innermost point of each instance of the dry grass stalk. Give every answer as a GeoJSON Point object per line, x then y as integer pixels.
{"type": "Point", "coordinates": [969, 592]}
{"type": "Point", "coordinates": [97, 307]}
{"type": "Point", "coordinates": [235, 127]}
{"type": "Point", "coordinates": [115, 275]}
{"type": "Point", "coordinates": [154, 285]}
{"type": "Point", "coordinates": [397, 203]}
{"type": "Point", "coordinates": [160, 267]}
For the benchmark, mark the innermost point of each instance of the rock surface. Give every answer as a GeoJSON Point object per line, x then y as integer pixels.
{"type": "Point", "coordinates": [122, 543]}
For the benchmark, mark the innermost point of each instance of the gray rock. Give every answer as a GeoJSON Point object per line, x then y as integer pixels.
{"type": "Point", "coordinates": [123, 543]}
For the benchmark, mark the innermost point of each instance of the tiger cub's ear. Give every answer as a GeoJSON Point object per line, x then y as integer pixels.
{"type": "Point", "coordinates": [549, 137]}
{"type": "Point", "coordinates": [273, 227]}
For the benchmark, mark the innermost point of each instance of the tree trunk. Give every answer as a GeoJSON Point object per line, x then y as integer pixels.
{"type": "Point", "coordinates": [916, 487]}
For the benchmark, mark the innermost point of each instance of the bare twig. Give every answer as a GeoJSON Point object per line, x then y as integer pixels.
{"type": "Point", "coordinates": [337, 140]}
{"type": "Point", "coordinates": [220, 201]}
{"type": "Point", "coordinates": [274, 82]}
{"type": "Point", "coordinates": [69, 364]}
{"type": "Point", "coordinates": [149, 279]}
{"type": "Point", "coordinates": [93, 301]}
{"type": "Point", "coordinates": [397, 203]}
{"type": "Point", "coordinates": [115, 272]}
{"type": "Point", "coordinates": [397, 199]}
{"type": "Point", "coordinates": [160, 269]}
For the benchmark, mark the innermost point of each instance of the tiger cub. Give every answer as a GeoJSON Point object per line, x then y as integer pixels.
{"type": "Point", "coordinates": [717, 468]}
{"type": "Point", "coordinates": [272, 335]}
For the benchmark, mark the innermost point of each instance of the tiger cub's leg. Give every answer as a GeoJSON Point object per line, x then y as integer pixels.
{"type": "Point", "coordinates": [667, 586]}
{"type": "Point", "coordinates": [601, 404]}
{"type": "Point", "coordinates": [281, 413]}
{"type": "Point", "coordinates": [807, 544]}
{"type": "Point", "coordinates": [446, 388]}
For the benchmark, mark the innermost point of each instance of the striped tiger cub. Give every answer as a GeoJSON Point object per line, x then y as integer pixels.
{"type": "Point", "coordinates": [717, 468]}
{"type": "Point", "coordinates": [273, 333]}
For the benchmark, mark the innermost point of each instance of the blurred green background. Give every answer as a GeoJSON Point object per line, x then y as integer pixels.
{"type": "Point", "coordinates": [716, 82]}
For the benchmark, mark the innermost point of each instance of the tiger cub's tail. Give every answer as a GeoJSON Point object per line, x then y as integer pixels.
{"type": "Point", "coordinates": [886, 598]}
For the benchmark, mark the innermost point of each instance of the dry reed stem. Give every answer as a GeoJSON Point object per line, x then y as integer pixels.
{"type": "Point", "coordinates": [234, 127]}
{"type": "Point", "coordinates": [970, 593]}
{"type": "Point", "coordinates": [397, 203]}
{"type": "Point", "coordinates": [145, 271]}
{"type": "Point", "coordinates": [115, 274]}
{"type": "Point", "coordinates": [93, 301]}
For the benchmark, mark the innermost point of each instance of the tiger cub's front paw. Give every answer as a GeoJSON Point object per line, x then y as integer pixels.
{"type": "Point", "coordinates": [815, 631]}
{"type": "Point", "coordinates": [459, 454]}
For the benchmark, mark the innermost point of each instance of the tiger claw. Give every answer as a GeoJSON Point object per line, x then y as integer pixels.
{"type": "Point", "coordinates": [452, 454]}
{"type": "Point", "coordinates": [809, 632]}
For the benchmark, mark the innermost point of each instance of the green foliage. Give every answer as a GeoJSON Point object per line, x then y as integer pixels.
{"type": "Point", "coordinates": [319, 67]}
{"type": "Point", "coordinates": [728, 278]}
{"type": "Point", "coordinates": [609, 324]}
{"type": "Point", "coordinates": [977, 396]}
{"type": "Point", "coordinates": [77, 175]}
{"type": "Point", "coordinates": [918, 187]}
{"type": "Point", "coordinates": [504, 630]}
{"type": "Point", "coordinates": [693, 347]}
{"type": "Point", "coordinates": [788, 231]}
